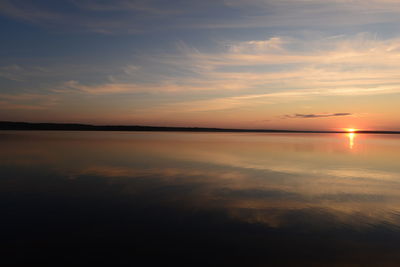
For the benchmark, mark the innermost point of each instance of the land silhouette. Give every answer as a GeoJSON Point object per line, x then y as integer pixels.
{"type": "Point", "coordinates": [29, 126]}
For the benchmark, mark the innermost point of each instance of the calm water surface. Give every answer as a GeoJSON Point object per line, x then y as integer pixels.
{"type": "Point", "coordinates": [209, 199]}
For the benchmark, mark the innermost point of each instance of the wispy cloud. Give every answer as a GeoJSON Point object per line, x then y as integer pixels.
{"type": "Point", "coordinates": [322, 115]}
{"type": "Point", "coordinates": [70, 18]}
{"type": "Point", "coordinates": [124, 16]}
{"type": "Point", "coordinates": [20, 73]}
{"type": "Point", "coordinates": [273, 44]}
{"type": "Point", "coordinates": [27, 10]}
{"type": "Point", "coordinates": [26, 101]}
{"type": "Point", "coordinates": [146, 6]}
{"type": "Point", "coordinates": [113, 17]}
{"type": "Point", "coordinates": [343, 64]}
{"type": "Point", "coordinates": [253, 73]}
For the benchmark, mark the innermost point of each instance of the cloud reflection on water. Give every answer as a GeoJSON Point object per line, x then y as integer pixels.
{"type": "Point", "coordinates": [291, 183]}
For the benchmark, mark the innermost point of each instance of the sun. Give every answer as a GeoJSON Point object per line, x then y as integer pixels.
{"type": "Point", "coordinates": [351, 130]}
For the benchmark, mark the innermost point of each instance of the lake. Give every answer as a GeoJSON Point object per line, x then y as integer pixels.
{"type": "Point", "coordinates": [206, 199]}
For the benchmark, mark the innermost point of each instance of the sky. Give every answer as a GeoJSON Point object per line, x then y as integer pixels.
{"type": "Point", "coordinates": [260, 64]}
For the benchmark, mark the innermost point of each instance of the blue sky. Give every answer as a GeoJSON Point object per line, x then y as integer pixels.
{"type": "Point", "coordinates": [291, 64]}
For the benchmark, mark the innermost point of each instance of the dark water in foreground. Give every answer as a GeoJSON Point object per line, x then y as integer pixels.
{"type": "Point", "coordinates": [208, 199]}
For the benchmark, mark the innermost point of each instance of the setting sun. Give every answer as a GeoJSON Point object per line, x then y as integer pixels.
{"type": "Point", "coordinates": [351, 130]}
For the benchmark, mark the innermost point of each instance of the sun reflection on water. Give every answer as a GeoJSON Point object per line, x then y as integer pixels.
{"type": "Point", "coordinates": [351, 139]}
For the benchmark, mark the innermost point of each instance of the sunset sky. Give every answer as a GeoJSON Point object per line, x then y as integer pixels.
{"type": "Point", "coordinates": [266, 64]}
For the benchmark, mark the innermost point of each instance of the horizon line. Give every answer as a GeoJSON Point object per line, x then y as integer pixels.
{"type": "Point", "coordinates": [55, 126]}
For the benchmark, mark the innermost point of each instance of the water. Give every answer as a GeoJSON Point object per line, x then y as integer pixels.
{"type": "Point", "coordinates": [205, 199]}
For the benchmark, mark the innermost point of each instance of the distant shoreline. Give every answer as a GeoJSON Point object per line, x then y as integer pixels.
{"type": "Point", "coordinates": [28, 126]}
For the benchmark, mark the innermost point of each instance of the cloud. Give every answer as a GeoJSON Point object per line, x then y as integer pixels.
{"type": "Point", "coordinates": [254, 73]}
{"type": "Point", "coordinates": [118, 17]}
{"type": "Point", "coordinates": [146, 6]}
{"type": "Point", "coordinates": [116, 87]}
{"type": "Point", "coordinates": [28, 11]}
{"type": "Point", "coordinates": [132, 17]}
{"type": "Point", "coordinates": [323, 115]}
{"type": "Point", "coordinates": [305, 12]}
{"type": "Point", "coordinates": [273, 44]}
{"type": "Point", "coordinates": [69, 15]}
{"type": "Point", "coordinates": [275, 67]}
{"type": "Point", "coordinates": [253, 100]}
{"type": "Point", "coordinates": [26, 101]}
{"type": "Point", "coordinates": [108, 88]}
{"type": "Point", "coordinates": [327, 66]}
{"type": "Point", "coordinates": [19, 73]}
